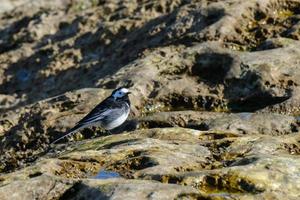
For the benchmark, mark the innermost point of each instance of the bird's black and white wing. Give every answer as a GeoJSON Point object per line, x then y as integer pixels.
{"type": "Point", "coordinates": [99, 112]}
{"type": "Point", "coordinates": [103, 110]}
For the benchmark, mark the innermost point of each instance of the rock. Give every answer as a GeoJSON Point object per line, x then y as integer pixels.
{"type": "Point", "coordinates": [7, 101]}
{"type": "Point", "coordinates": [8, 5]}
{"type": "Point", "coordinates": [193, 163]}
{"type": "Point", "coordinates": [238, 123]}
{"type": "Point", "coordinates": [247, 81]}
{"type": "Point", "coordinates": [31, 189]}
{"type": "Point", "coordinates": [215, 99]}
{"type": "Point", "coordinates": [93, 189]}
{"type": "Point", "coordinates": [128, 189]}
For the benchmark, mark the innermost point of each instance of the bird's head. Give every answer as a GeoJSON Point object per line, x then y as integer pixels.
{"type": "Point", "coordinates": [120, 93]}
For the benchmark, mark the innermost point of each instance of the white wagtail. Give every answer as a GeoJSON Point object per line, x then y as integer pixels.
{"type": "Point", "coordinates": [109, 114]}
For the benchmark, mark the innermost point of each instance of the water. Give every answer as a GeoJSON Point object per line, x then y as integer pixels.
{"type": "Point", "coordinates": [23, 75]}
{"type": "Point", "coordinates": [104, 174]}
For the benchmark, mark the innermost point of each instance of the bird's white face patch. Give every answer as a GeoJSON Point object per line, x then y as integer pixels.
{"type": "Point", "coordinates": [120, 93]}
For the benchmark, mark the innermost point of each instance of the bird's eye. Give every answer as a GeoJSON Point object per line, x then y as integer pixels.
{"type": "Point", "coordinates": [120, 94]}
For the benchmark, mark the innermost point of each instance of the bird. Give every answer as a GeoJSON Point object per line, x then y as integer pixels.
{"type": "Point", "coordinates": [109, 114]}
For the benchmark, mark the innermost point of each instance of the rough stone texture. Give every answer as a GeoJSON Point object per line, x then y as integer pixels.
{"type": "Point", "coordinates": [215, 103]}
{"type": "Point", "coordinates": [8, 5]}
{"type": "Point", "coordinates": [190, 163]}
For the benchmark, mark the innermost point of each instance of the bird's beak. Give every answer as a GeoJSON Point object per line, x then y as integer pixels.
{"type": "Point", "coordinates": [128, 92]}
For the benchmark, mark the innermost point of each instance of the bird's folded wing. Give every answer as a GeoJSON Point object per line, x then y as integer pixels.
{"type": "Point", "coordinates": [95, 116]}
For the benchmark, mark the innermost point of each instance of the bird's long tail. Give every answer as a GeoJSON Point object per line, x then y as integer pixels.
{"type": "Point", "coordinates": [70, 132]}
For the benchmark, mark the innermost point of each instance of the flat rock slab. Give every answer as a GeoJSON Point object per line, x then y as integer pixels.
{"type": "Point", "coordinates": [153, 162]}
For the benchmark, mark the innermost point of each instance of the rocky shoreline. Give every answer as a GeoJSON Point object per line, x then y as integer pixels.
{"type": "Point", "coordinates": [215, 103]}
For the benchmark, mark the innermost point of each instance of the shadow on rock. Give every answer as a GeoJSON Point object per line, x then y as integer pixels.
{"type": "Point", "coordinates": [215, 68]}
{"type": "Point", "coordinates": [82, 191]}
{"type": "Point", "coordinates": [249, 93]}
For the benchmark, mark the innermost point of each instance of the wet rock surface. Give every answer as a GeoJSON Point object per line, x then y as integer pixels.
{"type": "Point", "coordinates": [153, 162]}
{"type": "Point", "coordinates": [215, 103]}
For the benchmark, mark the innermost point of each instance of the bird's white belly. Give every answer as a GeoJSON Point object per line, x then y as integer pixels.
{"type": "Point", "coordinates": [120, 120]}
